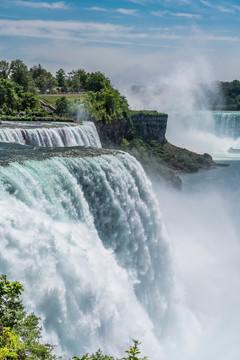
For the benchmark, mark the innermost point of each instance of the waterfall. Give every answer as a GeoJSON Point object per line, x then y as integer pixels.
{"type": "Point", "coordinates": [205, 132]}
{"type": "Point", "coordinates": [54, 136]}
{"type": "Point", "coordinates": [85, 238]}
{"type": "Point", "coordinates": [227, 124]}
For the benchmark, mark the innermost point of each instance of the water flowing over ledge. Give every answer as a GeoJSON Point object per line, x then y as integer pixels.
{"type": "Point", "coordinates": [227, 124]}
{"type": "Point", "coordinates": [85, 238]}
{"type": "Point", "coordinates": [51, 135]}
{"type": "Point", "coordinates": [14, 152]}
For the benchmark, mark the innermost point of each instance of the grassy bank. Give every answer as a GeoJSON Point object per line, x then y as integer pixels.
{"type": "Point", "coordinates": [50, 99]}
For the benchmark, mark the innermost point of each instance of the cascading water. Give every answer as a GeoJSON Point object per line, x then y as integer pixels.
{"type": "Point", "coordinates": [227, 124]}
{"type": "Point", "coordinates": [54, 136]}
{"type": "Point", "coordinates": [85, 238]}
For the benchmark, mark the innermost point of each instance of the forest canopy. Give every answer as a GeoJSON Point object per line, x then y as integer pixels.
{"type": "Point", "coordinates": [21, 87]}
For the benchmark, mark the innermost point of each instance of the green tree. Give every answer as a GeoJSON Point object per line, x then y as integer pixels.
{"type": "Point", "coordinates": [106, 105]}
{"type": "Point", "coordinates": [29, 101]}
{"type": "Point", "coordinates": [10, 94]}
{"type": "Point", "coordinates": [43, 79]}
{"type": "Point", "coordinates": [77, 80]}
{"type": "Point", "coordinates": [61, 80]}
{"type": "Point", "coordinates": [62, 105]}
{"type": "Point", "coordinates": [4, 69]}
{"type": "Point", "coordinates": [19, 73]}
{"type": "Point", "coordinates": [97, 81]}
{"type": "Point", "coordinates": [12, 97]}
{"type": "Point", "coordinates": [20, 332]}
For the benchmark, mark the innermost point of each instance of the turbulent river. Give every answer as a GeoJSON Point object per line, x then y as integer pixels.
{"type": "Point", "coordinates": [81, 229]}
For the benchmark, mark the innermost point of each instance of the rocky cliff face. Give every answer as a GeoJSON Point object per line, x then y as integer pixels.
{"type": "Point", "coordinates": [111, 135]}
{"type": "Point", "coordinates": [149, 126]}
{"type": "Point", "coordinates": [145, 125]}
{"type": "Point", "coordinates": [144, 137]}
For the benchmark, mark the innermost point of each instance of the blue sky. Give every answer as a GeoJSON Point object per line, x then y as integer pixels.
{"type": "Point", "coordinates": [116, 37]}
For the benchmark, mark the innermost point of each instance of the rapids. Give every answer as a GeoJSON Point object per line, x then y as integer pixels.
{"type": "Point", "coordinates": [55, 135]}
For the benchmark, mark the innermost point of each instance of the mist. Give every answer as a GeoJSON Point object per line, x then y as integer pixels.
{"type": "Point", "coordinates": [203, 223]}
{"type": "Point", "coordinates": [203, 219]}
{"type": "Point", "coordinates": [187, 95]}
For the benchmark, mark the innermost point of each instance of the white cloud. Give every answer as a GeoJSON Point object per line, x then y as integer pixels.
{"type": "Point", "coordinates": [93, 32]}
{"type": "Point", "coordinates": [127, 11]}
{"type": "Point", "coordinates": [159, 29]}
{"type": "Point", "coordinates": [219, 7]}
{"type": "Point", "coordinates": [186, 15]}
{"type": "Point", "coordinates": [87, 32]}
{"type": "Point", "coordinates": [119, 10]}
{"type": "Point", "coordinates": [96, 8]}
{"type": "Point", "coordinates": [225, 10]}
{"type": "Point", "coordinates": [140, 2]}
{"type": "Point", "coordinates": [165, 12]}
{"type": "Point", "coordinates": [55, 5]}
{"type": "Point", "coordinates": [206, 3]}
{"type": "Point", "coordinates": [158, 13]}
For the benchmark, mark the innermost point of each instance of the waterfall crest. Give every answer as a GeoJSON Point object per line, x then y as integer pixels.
{"type": "Point", "coordinates": [85, 238]}
{"type": "Point", "coordinates": [54, 136]}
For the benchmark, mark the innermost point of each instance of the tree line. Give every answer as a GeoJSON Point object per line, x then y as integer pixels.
{"type": "Point", "coordinates": [38, 79]}
{"type": "Point", "coordinates": [20, 86]}
{"type": "Point", "coordinates": [231, 95]}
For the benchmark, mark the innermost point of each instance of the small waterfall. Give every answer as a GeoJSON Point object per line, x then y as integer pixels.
{"type": "Point", "coordinates": [61, 136]}
{"type": "Point", "coordinates": [85, 238]}
{"type": "Point", "coordinates": [227, 124]}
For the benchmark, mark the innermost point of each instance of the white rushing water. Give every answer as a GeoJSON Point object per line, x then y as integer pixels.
{"type": "Point", "coordinates": [85, 238]}
{"type": "Point", "coordinates": [80, 135]}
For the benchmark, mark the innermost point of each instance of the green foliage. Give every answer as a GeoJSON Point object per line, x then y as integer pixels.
{"type": "Point", "coordinates": [106, 105]}
{"type": "Point", "coordinates": [97, 81]}
{"type": "Point", "coordinates": [19, 332]}
{"type": "Point", "coordinates": [62, 105]}
{"type": "Point", "coordinates": [4, 69]}
{"type": "Point", "coordinates": [10, 345]}
{"type": "Point", "coordinates": [145, 112]}
{"type": "Point", "coordinates": [13, 97]}
{"type": "Point", "coordinates": [11, 307]}
{"type": "Point", "coordinates": [231, 93]}
{"type": "Point", "coordinates": [19, 73]}
{"type": "Point", "coordinates": [43, 79]}
{"type": "Point", "coordinates": [77, 80]}
{"type": "Point", "coordinates": [38, 112]}
{"type": "Point", "coordinates": [132, 354]}
{"type": "Point", "coordinates": [10, 94]}
{"type": "Point", "coordinates": [29, 101]}
{"type": "Point", "coordinates": [35, 117]}
{"type": "Point", "coordinates": [61, 80]}
{"type": "Point", "coordinates": [153, 156]}
{"type": "Point", "coordinates": [67, 107]}
{"type": "Point", "coordinates": [18, 88]}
